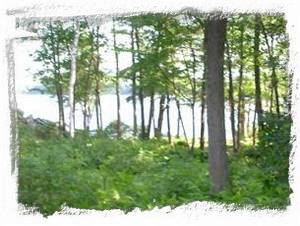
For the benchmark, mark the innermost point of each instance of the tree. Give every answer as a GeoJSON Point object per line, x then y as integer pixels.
{"type": "Point", "coordinates": [133, 81]}
{"type": "Point", "coordinates": [215, 32]}
{"type": "Point", "coordinates": [258, 104]}
{"type": "Point", "coordinates": [231, 98]}
{"type": "Point", "coordinates": [117, 83]}
{"type": "Point", "coordinates": [73, 78]}
{"type": "Point", "coordinates": [55, 55]}
{"type": "Point", "coordinates": [241, 101]}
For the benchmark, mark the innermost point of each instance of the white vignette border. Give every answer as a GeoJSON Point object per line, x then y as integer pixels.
{"type": "Point", "coordinates": [194, 213]}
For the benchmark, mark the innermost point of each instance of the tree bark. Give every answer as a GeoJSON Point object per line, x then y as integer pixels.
{"type": "Point", "coordinates": [178, 119]}
{"type": "Point", "coordinates": [168, 119]}
{"type": "Point", "coordinates": [117, 84]}
{"type": "Point", "coordinates": [57, 75]}
{"type": "Point", "coordinates": [140, 90]}
{"type": "Point", "coordinates": [133, 78]}
{"type": "Point", "coordinates": [240, 111]}
{"type": "Point", "coordinates": [258, 104]}
{"type": "Point", "coordinates": [73, 79]}
{"type": "Point", "coordinates": [202, 95]}
{"type": "Point", "coordinates": [193, 83]}
{"type": "Point", "coordinates": [231, 98]}
{"type": "Point", "coordinates": [97, 90]}
{"type": "Point", "coordinates": [215, 32]}
{"type": "Point", "coordinates": [151, 113]}
{"type": "Point", "coordinates": [160, 116]}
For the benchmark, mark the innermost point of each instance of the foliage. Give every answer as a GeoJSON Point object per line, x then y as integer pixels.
{"type": "Point", "coordinates": [111, 130]}
{"type": "Point", "coordinates": [95, 172]}
{"type": "Point", "coordinates": [273, 149]}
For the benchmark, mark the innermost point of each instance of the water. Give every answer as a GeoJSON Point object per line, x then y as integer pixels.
{"type": "Point", "coordinates": [45, 107]}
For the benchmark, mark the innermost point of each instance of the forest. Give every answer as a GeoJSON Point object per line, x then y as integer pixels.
{"type": "Point", "coordinates": [229, 71]}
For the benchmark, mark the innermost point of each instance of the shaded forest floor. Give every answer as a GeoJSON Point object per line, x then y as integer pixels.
{"type": "Point", "coordinates": [97, 172]}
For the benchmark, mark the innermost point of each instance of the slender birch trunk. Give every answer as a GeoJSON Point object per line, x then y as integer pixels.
{"type": "Point", "coordinates": [73, 78]}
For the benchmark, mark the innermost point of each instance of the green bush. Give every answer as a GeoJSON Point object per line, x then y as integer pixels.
{"type": "Point", "coordinates": [98, 172]}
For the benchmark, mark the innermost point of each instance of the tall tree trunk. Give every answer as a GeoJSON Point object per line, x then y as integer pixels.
{"type": "Point", "coordinates": [193, 84]}
{"type": "Point", "coordinates": [242, 119]}
{"type": "Point", "coordinates": [271, 98]}
{"type": "Point", "coordinates": [97, 110]}
{"type": "Point", "coordinates": [100, 112]}
{"type": "Point", "coordinates": [73, 79]}
{"type": "Point", "coordinates": [151, 113]}
{"type": "Point", "coordinates": [88, 121]}
{"type": "Point", "coordinates": [98, 106]}
{"type": "Point", "coordinates": [61, 122]}
{"type": "Point", "coordinates": [258, 104]}
{"type": "Point", "coordinates": [97, 89]}
{"type": "Point", "coordinates": [254, 129]}
{"type": "Point", "coordinates": [143, 127]}
{"type": "Point", "coordinates": [202, 122]}
{"type": "Point", "coordinates": [117, 84]}
{"type": "Point", "coordinates": [168, 119]}
{"type": "Point", "coordinates": [133, 78]}
{"type": "Point", "coordinates": [231, 98]}
{"type": "Point", "coordinates": [178, 119]}
{"type": "Point", "coordinates": [215, 32]}
{"type": "Point", "coordinates": [85, 115]}
{"type": "Point", "coordinates": [160, 116]}
{"type": "Point", "coordinates": [58, 79]}
{"type": "Point", "coordinates": [140, 90]}
{"type": "Point", "coordinates": [275, 87]}
{"type": "Point", "coordinates": [202, 95]}
{"type": "Point", "coordinates": [240, 132]}
{"type": "Point", "coordinates": [248, 121]}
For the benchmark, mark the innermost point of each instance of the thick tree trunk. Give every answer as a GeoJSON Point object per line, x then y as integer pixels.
{"type": "Point", "coordinates": [160, 116]}
{"type": "Point", "coordinates": [231, 99]}
{"type": "Point", "coordinates": [117, 84]}
{"type": "Point", "coordinates": [215, 32]}
{"type": "Point", "coordinates": [73, 80]}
